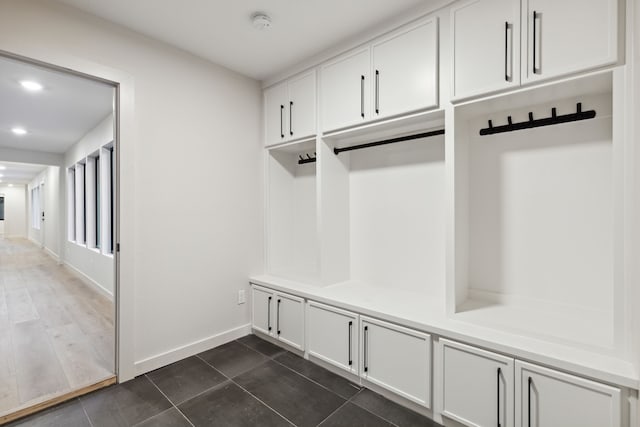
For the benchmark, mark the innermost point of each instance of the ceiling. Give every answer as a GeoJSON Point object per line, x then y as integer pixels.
{"type": "Point", "coordinates": [55, 117]}
{"type": "Point", "coordinates": [18, 173]}
{"type": "Point", "coordinates": [221, 30]}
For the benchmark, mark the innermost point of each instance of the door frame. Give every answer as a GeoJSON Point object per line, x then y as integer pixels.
{"type": "Point", "coordinates": [124, 130]}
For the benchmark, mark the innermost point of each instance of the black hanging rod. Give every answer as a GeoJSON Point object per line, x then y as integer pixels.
{"type": "Point", "coordinates": [309, 159]}
{"type": "Point", "coordinates": [390, 141]}
{"type": "Point", "coordinates": [547, 121]}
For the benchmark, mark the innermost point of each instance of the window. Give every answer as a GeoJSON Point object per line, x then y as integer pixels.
{"type": "Point", "coordinates": [80, 208]}
{"type": "Point", "coordinates": [71, 204]}
{"type": "Point", "coordinates": [96, 198]}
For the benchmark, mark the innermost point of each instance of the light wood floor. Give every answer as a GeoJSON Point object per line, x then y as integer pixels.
{"type": "Point", "coordinates": [56, 332]}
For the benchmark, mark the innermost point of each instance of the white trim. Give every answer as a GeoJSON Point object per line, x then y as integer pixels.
{"type": "Point", "coordinates": [52, 254]}
{"type": "Point", "coordinates": [95, 285]}
{"type": "Point", "coordinates": [187, 350]}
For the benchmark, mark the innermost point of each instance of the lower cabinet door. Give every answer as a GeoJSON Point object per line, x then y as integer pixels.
{"type": "Point", "coordinates": [548, 398]}
{"type": "Point", "coordinates": [332, 336]}
{"type": "Point", "coordinates": [289, 320]}
{"type": "Point", "coordinates": [477, 386]}
{"type": "Point", "coordinates": [396, 358]}
{"type": "Point", "coordinates": [262, 316]}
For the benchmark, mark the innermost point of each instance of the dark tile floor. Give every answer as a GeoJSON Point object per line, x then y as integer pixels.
{"type": "Point", "coordinates": [248, 382]}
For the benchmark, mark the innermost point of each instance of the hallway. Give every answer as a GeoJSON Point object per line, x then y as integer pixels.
{"type": "Point", "coordinates": [56, 332]}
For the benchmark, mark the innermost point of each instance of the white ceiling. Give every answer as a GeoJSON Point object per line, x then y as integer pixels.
{"type": "Point", "coordinates": [221, 30]}
{"type": "Point", "coordinates": [19, 173]}
{"type": "Point", "coordinates": [56, 117]}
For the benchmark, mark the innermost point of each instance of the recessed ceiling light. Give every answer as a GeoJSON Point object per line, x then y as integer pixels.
{"type": "Point", "coordinates": [261, 21]}
{"type": "Point", "coordinates": [1, 175]}
{"type": "Point", "coordinates": [2, 168]}
{"type": "Point", "coordinates": [19, 131]}
{"type": "Point", "coordinates": [10, 185]}
{"type": "Point", "coordinates": [31, 86]}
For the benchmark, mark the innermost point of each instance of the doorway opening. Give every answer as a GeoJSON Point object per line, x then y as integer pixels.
{"type": "Point", "coordinates": [58, 203]}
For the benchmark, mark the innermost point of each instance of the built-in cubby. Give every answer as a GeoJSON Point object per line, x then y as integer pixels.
{"type": "Point", "coordinates": [537, 246]}
{"type": "Point", "coordinates": [291, 212]}
{"type": "Point", "coordinates": [383, 214]}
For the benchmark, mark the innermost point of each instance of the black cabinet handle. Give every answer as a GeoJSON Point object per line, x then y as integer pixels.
{"type": "Point", "coordinates": [530, 382]}
{"type": "Point", "coordinates": [278, 316]}
{"type": "Point", "coordinates": [291, 118]}
{"type": "Point", "coordinates": [506, 51]}
{"type": "Point", "coordinates": [498, 394]}
{"type": "Point", "coordinates": [362, 96]}
{"type": "Point", "coordinates": [269, 314]}
{"type": "Point", "coordinates": [350, 328]}
{"type": "Point", "coordinates": [377, 92]}
{"type": "Point", "coordinates": [535, 41]}
{"type": "Point", "coordinates": [281, 120]}
{"type": "Point", "coordinates": [366, 339]}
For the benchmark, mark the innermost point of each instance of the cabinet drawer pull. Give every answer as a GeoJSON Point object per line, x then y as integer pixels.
{"type": "Point", "coordinates": [278, 316]}
{"type": "Point", "coordinates": [281, 121]}
{"type": "Point", "coordinates": [269, 314]}
{"type": "Point", "coordinates": [366, 341]}
{"type": "Point", "coordinates": [350, 328]}
{"type": "Point", "coordinates": [506, 51]}
{"type": "Point", "coordinates": [377, 92]}
{"type": "Point", "coordinates": [362, 96]}
{"type": "Point", "coordinates": [530, 382]}
{"type": "Point", "coordinates": [291, 118]}
{"type": "Point", "coordinates": [536, 70]}
{"type": "Point", "coordinates": [498, 400]}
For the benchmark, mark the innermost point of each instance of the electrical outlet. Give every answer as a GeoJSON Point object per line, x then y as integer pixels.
{"type": "Point", "coordinates": [241, 297]}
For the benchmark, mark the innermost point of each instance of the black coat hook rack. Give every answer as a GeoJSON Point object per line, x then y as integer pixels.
{"type": "Point", "coordinates": [390, 141]}
{"type": "Point", "coordinates": [547, 121]}
{"type": "Point", "coordinates": [308, 159]}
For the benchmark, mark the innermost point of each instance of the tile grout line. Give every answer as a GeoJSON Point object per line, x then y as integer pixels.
{"type": "Point", "coordinates": [86, 414]}
{"type": "Point", "coordinates": [245, 390]}
{"type": "Point", "coordinates": [332, 413]}
{"type": "Point", "coordinates": [169, 400]}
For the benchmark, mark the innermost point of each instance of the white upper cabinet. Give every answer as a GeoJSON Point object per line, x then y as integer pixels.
{"type": "Point", "coordinates": [485, 46]}
{"type": "Point", "coordinates": [477, 386]}
{"type": "Point", "coordinates": [302, 106]}
{"type": "Point", "coordinates": [405, 70]}
{"type": "Point", "coordinates": [290, 109]}
{"type": "Point", "coordinates": [275, 99]}
{"type": "Point", "coordinates": [345, 94]}
{"type": "Point", "coordinates": [548, 398]}
{"type": "Point", "coordinates": [568, 36]}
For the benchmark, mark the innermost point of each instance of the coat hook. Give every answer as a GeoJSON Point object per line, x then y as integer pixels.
{"type": "Point", "coordinates": [509, 120]}
{"type": "Point", "coordinates": [530, 116]}
{"type": "Point", "coordinates": [579, 107]}
{"type": "Point", "coordinates": [308, 156]}
{"type": "Point", "coordinates": [553, 112]}
{"type": "Point", "coordinates": [490, 124]}
{"type": "Point", "coordinates": [300, 156]}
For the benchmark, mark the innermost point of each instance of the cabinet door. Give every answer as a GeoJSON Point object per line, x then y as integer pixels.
{"type": "Point", "coordinates": [485, 46]}
{"type": "Point", "coordinates": [397, 358]}
{"type": "Point", "coordinates": [405, 68]}
{"type": "Point", "coordinates": [570, 36]}
{"type": "Point", "coordinates": [345, 90]}
{"type": "Point", "coordinates": [332, 336]}
{"type": "Point", "coordinates": [548, 398]}
{"type": "Point", "coordinates": [477, 386]}
{"type": "Point", "coordinates": [276, 100]}
{"type": "Point", "coordinates": [262, 310]}
{"type": "Point", "coordinates": [302, 106]}
{"type": "Point", "coordinates": [289, 327]}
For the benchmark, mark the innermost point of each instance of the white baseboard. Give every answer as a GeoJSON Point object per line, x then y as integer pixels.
{"type": "Point", "coordinates": [95, 285]}
{"type": "Point", "coordinates": [52, 254]}
{"type": "Point", "coordinates": [179, 353]}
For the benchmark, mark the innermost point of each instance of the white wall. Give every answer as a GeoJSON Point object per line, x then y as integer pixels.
{"type": "Point", "coordinates": [15, 210]}
{"type": "Point", "coordinates": [191, 172]}
{"type": "Point", "coordinates": [94, 265]}
{"type": "Point", "coordinates": [52, 205]}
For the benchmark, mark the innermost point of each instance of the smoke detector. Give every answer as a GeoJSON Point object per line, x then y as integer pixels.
{"type": "Point", "coordinates": [261, 21]}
